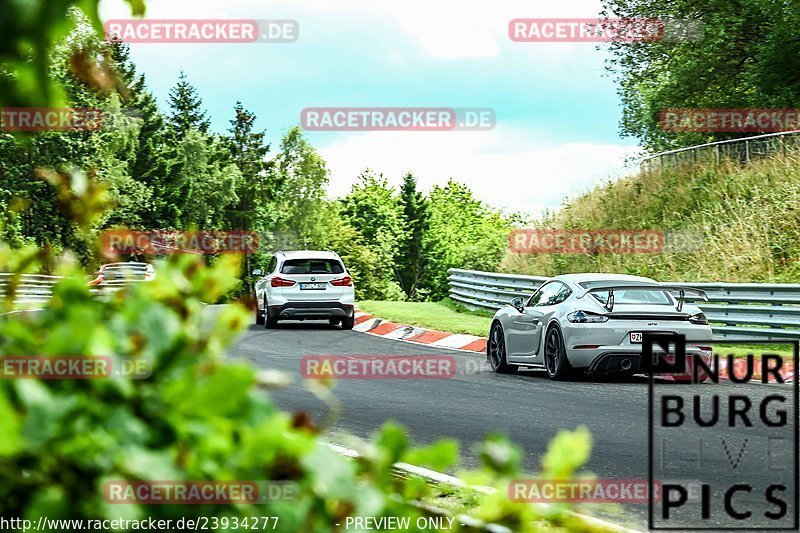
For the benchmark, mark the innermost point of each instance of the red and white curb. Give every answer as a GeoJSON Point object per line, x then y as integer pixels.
{"type": "Point", "coordinates": [367, 323]}
{"type": "Point", "coordinates": [441, 339]}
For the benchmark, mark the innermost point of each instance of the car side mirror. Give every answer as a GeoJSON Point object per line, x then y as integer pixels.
{"type": "Point", "coordinates": [257, 272]}
{"type": "Point", "coordinates": [518, 303]}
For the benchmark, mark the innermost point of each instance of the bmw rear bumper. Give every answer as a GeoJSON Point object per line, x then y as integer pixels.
{"type": "Point", "coordinates": [310, 310]}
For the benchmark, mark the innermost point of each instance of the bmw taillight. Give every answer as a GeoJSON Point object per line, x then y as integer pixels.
{"type": "Point", "coordinates": [280, 282]}
{"type": "Point", "coordinates": [346, 281]}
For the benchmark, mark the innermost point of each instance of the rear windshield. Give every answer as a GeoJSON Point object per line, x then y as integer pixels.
{"type": "Point", "coordinates": [635, 297]}
{"type": "Point", "coordinates": [312, 266]}
{"type": "Point", "coordinates": [630, 296]}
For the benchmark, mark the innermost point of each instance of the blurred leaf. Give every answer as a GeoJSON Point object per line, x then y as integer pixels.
{"type": "Point", "coordinates": [567, 452]}
{"type": "Point", "coordinates": [10, 439]}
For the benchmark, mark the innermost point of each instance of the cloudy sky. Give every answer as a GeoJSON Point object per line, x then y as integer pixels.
{"type": "Point", "coordinates": [557, 110]}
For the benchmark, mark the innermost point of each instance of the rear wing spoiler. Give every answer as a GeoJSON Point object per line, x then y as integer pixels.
{"type": "Point", "coordinates": [611, 287]}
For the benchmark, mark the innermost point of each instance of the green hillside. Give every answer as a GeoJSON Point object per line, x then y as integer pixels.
{"type": "Point", "coordinates": [748, 217]}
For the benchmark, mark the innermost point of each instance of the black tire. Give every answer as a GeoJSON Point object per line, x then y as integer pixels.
{"type": "Point", "coordinates": [496, 351]}
{"type": "Point", "coordinates": [348, 322]}
{"type": "Point", "coordinates": [334, 321]}
{"type": "Point", "coordinates": [270, 322]}
{"type": "Point", "coordinates": [259, 315]}
{"type": "Point", "coordinates": [555, 356]}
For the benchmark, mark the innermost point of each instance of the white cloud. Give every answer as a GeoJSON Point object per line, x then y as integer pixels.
{"type": "Point", "coordinates": [501, 168]}
{"type": "Point", "coordinates": [508, 167]}
{"type": "Point", "coordinates": [447, 29]}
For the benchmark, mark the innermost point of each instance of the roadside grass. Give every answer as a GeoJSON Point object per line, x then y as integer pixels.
{"type": "Point", "coordinates": [741, 350]}
{"type": "Point", "coordinates": [743, 216]}
{"type": "Point", "coordinates": [451, 316]}
{"type": "Point", "coordinates": [441, 316]}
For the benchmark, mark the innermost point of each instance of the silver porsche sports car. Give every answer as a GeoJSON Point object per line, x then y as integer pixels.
{"type": "Point", "coordinates": [592, 323]}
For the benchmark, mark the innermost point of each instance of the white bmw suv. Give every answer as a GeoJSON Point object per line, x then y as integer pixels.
{"type": "Point", "coordinates": [304, 285]}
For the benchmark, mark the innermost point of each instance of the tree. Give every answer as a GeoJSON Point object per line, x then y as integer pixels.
{"type": "Point", "coordinates": [464, 233]}
{"type": "Point", "coordinates": [248, 152]}
{"type": "Point", "coordinates": [187, 108]}
{"type": "Point", "coordinates": [748, 55]}
{"type": "Point", "coordinates": [373, 208]}
{"type": "Point", "coordinates": [336, 234]}
{"type": "Point", "coordinates": [413, 247]}
{"type": "Point", "coordinates": [156, 163]}
{"type": "Point", "coordinates": [299, 177]}
{"type": "Point", "coordinates": [208, 180]}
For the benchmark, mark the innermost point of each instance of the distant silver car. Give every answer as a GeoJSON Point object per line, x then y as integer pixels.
{"type": "Point", "coordinates": [123, 273]}
{"type": "Point", "coordinates": [592, 323]}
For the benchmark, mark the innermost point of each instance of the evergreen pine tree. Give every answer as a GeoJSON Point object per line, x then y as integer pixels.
{"type": "Point", "coordinates": [248, 151]}
{"type": "Point", "coordinates": [186, 105]}
{"type": "Point", "coordinates": [411, 262]}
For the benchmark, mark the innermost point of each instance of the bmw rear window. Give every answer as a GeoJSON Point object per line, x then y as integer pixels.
{"type": "Point", "coordinates": [312, 266]}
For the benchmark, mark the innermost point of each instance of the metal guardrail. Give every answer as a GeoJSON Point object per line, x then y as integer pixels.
{"type": "Point", "coordinates": [37, 289]}
{"type": "Point", "coordinates": [735, 310]}
{"type": "Point", "coordinates": [742, 150]}
{"type": "Point", "coordinates": [28, 288]}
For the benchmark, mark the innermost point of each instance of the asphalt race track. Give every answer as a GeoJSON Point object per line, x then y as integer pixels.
{"type": "Point", "coordinates": [527, 406]}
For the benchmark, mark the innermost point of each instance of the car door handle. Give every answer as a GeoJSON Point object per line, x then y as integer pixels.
{"type": "Point", "coordinates": [531, 320]}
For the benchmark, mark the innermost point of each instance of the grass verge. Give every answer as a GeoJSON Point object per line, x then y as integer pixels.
{"type": "Point", "coordinates": [448, 315]}
{"type": "Point", "coordinates": [741, 350]}
{"type": "Point", "coordinates": [442, 316]}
